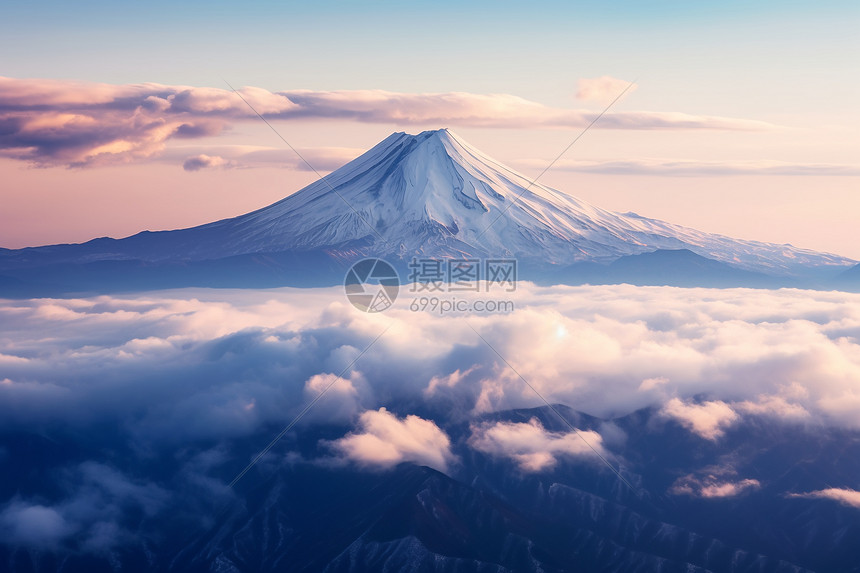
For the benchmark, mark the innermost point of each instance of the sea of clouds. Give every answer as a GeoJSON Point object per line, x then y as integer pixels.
{"type": "Point", "coordinates": [168, 370]}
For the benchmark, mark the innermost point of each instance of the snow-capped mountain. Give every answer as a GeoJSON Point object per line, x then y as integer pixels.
{"type": "Point", "coordinates": [436, 195]}
{"type": "Point", "coordinates": [430, 195]}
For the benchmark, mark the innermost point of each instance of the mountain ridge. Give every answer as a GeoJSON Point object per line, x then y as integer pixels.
{"type": "Point", "coordinates": [488, 514]}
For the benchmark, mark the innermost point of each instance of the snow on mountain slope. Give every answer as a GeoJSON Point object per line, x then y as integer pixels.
{"type": "Point", "coordinates": [433, 194]}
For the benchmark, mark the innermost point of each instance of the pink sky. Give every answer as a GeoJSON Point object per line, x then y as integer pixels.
{"type": "Point", "coordinates": [84, 160]}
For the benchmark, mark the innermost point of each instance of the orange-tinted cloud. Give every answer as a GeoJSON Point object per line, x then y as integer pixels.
{"type": "Point", "coordinates": [386, 440]}
{"type": "Point", "coordinates": [58, 122]}
{"type": "Point", "coordinates": [531, 446]}
{"type": "Point", "coordinates": [714, 482]}
{"type": "Point", "coordinates": [844, 496]}
{"type": "Point", "coordinates": [709, 420]}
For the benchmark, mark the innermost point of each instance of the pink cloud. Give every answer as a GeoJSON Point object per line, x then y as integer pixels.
{"type": "Point", "coordinates": [342, 400]}
{"type": "Point", "coordinates": [716, 483]}
{"type": "Point", "coordinates": [488, 110]}
{"type": "Point", "coordinates": [58, 122]}
{"type": "Point", "coordinates": [384, 440]}
{"type": "Point", "coordinates": [774, 406]}
{"type": "Point", "coordinates": [709, 419]}
{"type": "Point", "coordinates": [847, 497]}
{"type": "Point", "coordinates": [530, 445]}
{"type": "Point", "coordinates": [203, 161]}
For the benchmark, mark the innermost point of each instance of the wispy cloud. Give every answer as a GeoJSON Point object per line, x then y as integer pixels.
{"type": "Point", "coordinates": [203, 161]}
{"type": "Point", "coordinates": [689, 168]}
{"type": "Point", "coordinates": [57, 122]}
{"type": "Point", "coordinates": [97, 497]}
{"type": "Point", "coordinates": [33, 525]}
{"type": "Point", "coordinates": [603, 89]}
{"type": "Point", "coordinates": [844, 496]}
{"type": "Point", "coordinates": [714, 482]}
{"type": "Point", "coordinates": [196, 158]}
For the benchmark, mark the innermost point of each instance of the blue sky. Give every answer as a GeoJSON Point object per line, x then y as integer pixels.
{"type": "Point", "coordinates": [736, 56]}
{"type": "Point", "coordinates": [480, 46]}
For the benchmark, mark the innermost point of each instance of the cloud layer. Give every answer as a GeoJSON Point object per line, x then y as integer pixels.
{"type": "Point", "coordinates": [787, 354]}
{"type": "Point", "coordinates": [189, 372]}
{"type": "Point", "coordinates": [791, 354]}
{"type": "Point", "coordinates": [58, 122]}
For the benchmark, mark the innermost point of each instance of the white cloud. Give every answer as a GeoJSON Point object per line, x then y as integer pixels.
{"type": "Point", "coordinates": [530, 445]}
{"type": "Point", "coordinates": [341, 401]}
{"type": "Point", "coordinates": [708, 419]}
{"type": "Point", "coordinates": [384, 440]}
{"type": "Point", "coordinates": [787, 354]}
{"type": "Point", "coordinates": [844, 496]}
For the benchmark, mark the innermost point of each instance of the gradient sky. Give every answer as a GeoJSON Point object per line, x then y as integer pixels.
{"type": "Point", "coordinates": [789, 68]}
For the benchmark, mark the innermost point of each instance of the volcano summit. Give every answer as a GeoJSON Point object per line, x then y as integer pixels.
{"type": "Point", "coordinates": [425, 195]}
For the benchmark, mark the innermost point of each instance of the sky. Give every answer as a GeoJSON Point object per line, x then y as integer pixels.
{"type": "Point", "coordinates": [742, 117]}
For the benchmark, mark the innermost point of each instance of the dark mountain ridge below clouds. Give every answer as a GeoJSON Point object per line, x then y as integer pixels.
{"type": "Point", "coordinates": [487, 514]}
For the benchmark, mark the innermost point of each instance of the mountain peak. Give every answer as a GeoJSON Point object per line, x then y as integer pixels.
{"type": "Point", "coordinates": [440, 133]}
{"type": "Point", "coordinates": [434, 195]}
{"type": "Point", "coordinates": [443, 136]}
